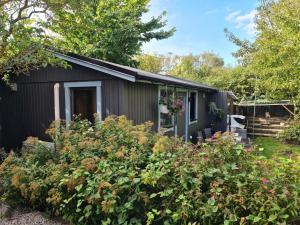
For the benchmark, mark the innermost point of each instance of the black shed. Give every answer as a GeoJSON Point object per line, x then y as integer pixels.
{"type": "Point", "coordinates": [95, 86]}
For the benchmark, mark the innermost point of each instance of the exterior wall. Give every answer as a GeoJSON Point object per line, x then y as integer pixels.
{"type": "Point", "coordinates": [140, 102]}
{"type": "Point", "coordinates": [26, 112]}
{"type": "Point", "coordinates": [30, 110]}
{"type": "Point", "coordinates": [221, 100]}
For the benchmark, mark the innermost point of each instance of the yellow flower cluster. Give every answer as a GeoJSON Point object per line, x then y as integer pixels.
{"type": "Point", "coordinates": [24, 190]}
{"type": "Point", "coordinates": [88, 143]}
{"type": "Point", "coordinates": [121, 152]}
{"type": "Point", "coordinates": [89, 164]}
{"type": "Point", "coordinates": [54, 197]}
{"type": "Point", "coordinates": [17, 174]}
{"type": "Point", "coordinates": [106, 206]}
{"type": "Point", "coordinates": [162, 145]}
{"type": "Point", "coordinates": [35, 190]}
{"type": "Point", "coordinates": [104, 185]}
{"type": "Point", "coordinates": [72, 183]}
{"type": "Point", "coordinates": [9, 159]}
{"type": "Point", "coordinates": [32, 141]}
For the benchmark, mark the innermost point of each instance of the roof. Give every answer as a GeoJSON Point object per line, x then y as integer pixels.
{"type": "Point", "coordinates": [264, 103]}
{"type": "Point", "coordinates": [129, 73]}
{"type": "Point", "coordinates": [232, 95]}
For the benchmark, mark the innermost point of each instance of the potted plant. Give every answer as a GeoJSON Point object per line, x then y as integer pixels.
{"type": "Point", "coordinates": [214, 110]}
{"type": "Point", "coordinates": [163, 105]}
{"type": "Point", "coordinates": [177, 106]}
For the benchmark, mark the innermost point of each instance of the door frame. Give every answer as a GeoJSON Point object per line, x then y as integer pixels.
{"type": "Point", "coordinates": [186, 113]}
{"type": "Point", "coordinates": [69, 85]}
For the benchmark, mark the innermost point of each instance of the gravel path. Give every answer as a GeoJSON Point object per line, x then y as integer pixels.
{"type": "Point", "coordinates": [17, 217]}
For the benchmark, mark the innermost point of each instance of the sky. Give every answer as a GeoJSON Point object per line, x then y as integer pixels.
{"type": "Point", "coordinates": [200, 26]}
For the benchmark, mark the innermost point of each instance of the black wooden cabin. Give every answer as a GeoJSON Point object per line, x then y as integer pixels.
{"type": "Point", "coordinates": [94, 86]}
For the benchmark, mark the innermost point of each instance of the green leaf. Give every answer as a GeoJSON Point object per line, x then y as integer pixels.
{"type": "Point", "coordinates": [256, 219]}
{"type": "Point", "coordinates": [272, 218]}
{"type": "Point", "coordinates": [153, 195]}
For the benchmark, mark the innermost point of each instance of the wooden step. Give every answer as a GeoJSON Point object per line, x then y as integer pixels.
{"type": "Point", "coordinates": [264, 130]}
{"type": "Point", "coordinates": [275, 126]}
{"type": "Point", "coordinates": [261, 135]}
{"type": "Point", "coordinates": [264, 120]}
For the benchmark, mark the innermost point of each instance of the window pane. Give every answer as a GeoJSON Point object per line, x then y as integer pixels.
{"type": "Point", "coordinates": [193, 105]}
{"type": "Point", "coordinates": [166, 119]}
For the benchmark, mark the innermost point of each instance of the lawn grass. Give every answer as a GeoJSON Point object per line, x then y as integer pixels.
{"type": "Point", "coordinates": [273, 147]}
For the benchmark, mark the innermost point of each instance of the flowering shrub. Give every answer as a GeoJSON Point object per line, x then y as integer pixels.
{"type": "Point", "coordinates": [116, 173]}
{"type": "Point", "coordinates": [291, 134]}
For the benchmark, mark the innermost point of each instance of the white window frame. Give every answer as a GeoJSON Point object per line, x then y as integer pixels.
{"type": "Point", "coordinates": [69, 85]}
{"type": "Point", "coordinates": [161, 88]}
{"type": "Point", "coordinates": [196, 107]}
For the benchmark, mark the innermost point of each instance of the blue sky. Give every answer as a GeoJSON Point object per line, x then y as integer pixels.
{"type": "Point", "coordinates": [200, 25]}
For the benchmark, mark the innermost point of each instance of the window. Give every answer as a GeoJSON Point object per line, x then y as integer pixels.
{"type": "Point", "coordinates": [166, 120]}
{"type": "Point", "coordinates": [193, 106]}
{"type": "Point", "coordinates": [83, 98]}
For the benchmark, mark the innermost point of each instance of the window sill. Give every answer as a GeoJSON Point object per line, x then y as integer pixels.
{"type": "Point", "coordinates": [193, 122]}
{"type": "Point", "coordinates": [166, 130]}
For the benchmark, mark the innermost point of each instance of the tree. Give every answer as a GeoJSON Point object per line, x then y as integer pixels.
{"type": "Point", "coordinates": [150, 63]}
{"type": "Point", "coordinates": [22, 37]}
{"type": "Point", "coordinates": [198, 67]}
{"type": "Point", "coordinates": [277, 56]}
{"type": "Point", "coordinates": [187, 68]}
{"type": "Point", "coordinates": [274, 55]}
{"type": "Point", "coordinates": [211, 60]}
{"type": "Point", "coordinates": [112, 30]}
{"type": "Point", "coordinates": [240, 80]}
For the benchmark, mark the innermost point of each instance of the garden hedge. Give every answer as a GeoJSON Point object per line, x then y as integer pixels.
{"type": "Point", "coordinates": [113, 172]}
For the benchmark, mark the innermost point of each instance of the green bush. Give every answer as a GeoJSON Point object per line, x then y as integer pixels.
{"type": "Point", "coordinates": [116, 173]}
{"type": "Point", "coordinates": [291, 134]}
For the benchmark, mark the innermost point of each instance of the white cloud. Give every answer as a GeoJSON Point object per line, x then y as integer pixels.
{"type": "Point", "coordinates": [245, 22]}
{"type": "Point", "coordinates": [233, 15]}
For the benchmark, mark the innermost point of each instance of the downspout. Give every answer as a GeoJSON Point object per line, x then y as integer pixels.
{"type": "Point", "coordinates": [56, 114]}
{"type": "Point", "coordinates": [56, 102]}
{"type": "Point", "coordinates": [175, 115]}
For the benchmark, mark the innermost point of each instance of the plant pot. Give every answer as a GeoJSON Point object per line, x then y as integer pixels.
{"type": "Point", "coordinates": [163, 109]}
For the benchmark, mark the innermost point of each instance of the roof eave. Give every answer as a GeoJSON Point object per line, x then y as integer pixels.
{"type": "Point", "coordinates": [95, 67]}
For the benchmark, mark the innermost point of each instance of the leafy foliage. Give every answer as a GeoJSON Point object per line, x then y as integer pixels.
{"type": "Point", "coordinates": [116, 173]}
{"type": "Point", "coordinates": [109, 30]}
{"type": "Point", "coordinates": [274, 55]}
{"type": "Point", "coordinates": [23, 37]}
{"type": "Point", "coordinates": [291, 134]}
{"type": "Point", "coordinates": [150, 63]}
{"type": "Point", "coordinates": [197, 67]}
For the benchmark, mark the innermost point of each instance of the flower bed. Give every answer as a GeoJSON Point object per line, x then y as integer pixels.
{"type": "Point", "coordinates": [116, 173]}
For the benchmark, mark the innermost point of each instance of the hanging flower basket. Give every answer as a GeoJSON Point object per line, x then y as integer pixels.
{"type": "Point", "coordinates": [170, 105]}
{"type": "Point", "coordinates": [177, 106]}
{"type": "Point", "coordinates": [163, 109]}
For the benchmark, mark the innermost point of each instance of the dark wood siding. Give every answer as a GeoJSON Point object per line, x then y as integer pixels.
{"type": "Point", "coordinates": [72, 74]}
{"type": "Point", "coordinates": [30, 110]}
{"type": "Point", "coordinates": [140, 102]}
{"type": "Point", "coordinates": [220, 98]}
{"type": "Point", "coordinates": [26, 112]}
